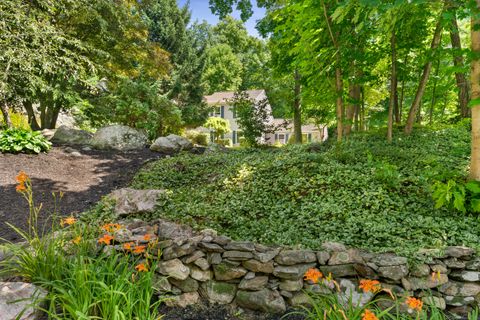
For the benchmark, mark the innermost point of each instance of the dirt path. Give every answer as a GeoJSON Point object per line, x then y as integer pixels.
{"type": "Point", "coordinates": [83, 178]}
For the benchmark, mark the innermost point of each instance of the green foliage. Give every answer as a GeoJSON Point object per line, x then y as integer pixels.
{"type": "Point", "coordinates": [19, 121]}
{"type": "Point", "coordinates": [23, 141]}
{"type": "Point", "coordinates": [252, 117]}
{"type": "Point", "coordinates": [345, 192]}
{"type": "Point", "coordinates": [137, 103]}
{"type": "Point", "coordinates": [197, 137]}
{"type": "Point", "coordinates": [462, 196]}
{"type": "Point", "coordinates": [223, 71]}
{"type": "Point", "coordinates": [219, 126]}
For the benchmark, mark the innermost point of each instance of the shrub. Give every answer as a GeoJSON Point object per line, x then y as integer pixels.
{"type": "Point", "coordinates": [197, 137]}
{"type": "Point", "coordinates": [219, 126]}
{"type": "Point", "coordinates": [461, 196]}
{"type": "Point", "coordinates": [21, 140]}
{"type": "Point", "coordinates": [365, 193]}
{"type": "Point", "coordinates": [19, 121]}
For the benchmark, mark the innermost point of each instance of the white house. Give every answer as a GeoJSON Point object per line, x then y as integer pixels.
{"type": "Point", "coordinates": [221, 103]}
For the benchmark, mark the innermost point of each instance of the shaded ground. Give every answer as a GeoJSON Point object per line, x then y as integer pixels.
{"type": "Point", "coordinates": [83, 178]}
{"type": "Point", "coordinates": [221, 312]}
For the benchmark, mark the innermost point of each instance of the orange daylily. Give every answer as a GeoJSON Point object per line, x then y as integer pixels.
{"type": "Point", "coordinates": [21, 188]}
{"type": "Point", "coordinates": [105, 239]}
{"type": "Point", "coordinates": [68, 221]}
{"type": "Point", "coordinates": [111, 227]}
{"type": "Point", "coordinates": [370, 285]}
{"type": "Point", "coordinates": [21, 177]}
{"type": "Point", "coordinates": [141, 268]}
{"type": "Point", "coordinates": [77, 240]}
{"type": "Point", "coordinates": [147, 237]}
{"type": "Point", "coordinates": [369, 315]}
{"type": "Point", "coordinates": [313, 275]}
{"type": "Point", "coordinates": [414, 303]}
{"type": "Point", "coordinates": [128, 245]}
{"type": "Point", "coordinates": [139, 249]}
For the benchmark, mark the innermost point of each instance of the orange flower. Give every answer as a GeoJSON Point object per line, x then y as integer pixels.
{"type": "Point", "coordinates": [77, 240]}
{"type": "Point", "coordinates": [313, 275]}
{"type": "Point", "coordinates": [141, 268]}
{"type": "Point", "coordinates": [128, 245]}
{"type": "Point", "coordinates": [21, 177]}
{"type": "Point", "coordinates": [369, 315]}
{"type": "Point", "coordinates": [105, 239]}
{"type": "Point", "coordinates": [139, 249]}
{"type": "Point", "coordinates": [414, 303]}
{"type": "Point", "coordinates": [370, 285]}
{"type": "Point", "coordinates": [147, 237]}
{"type": "Point", "coordinates": [21, 187]}
{"type": "Point", "coordinates": [111, 227]}
{"type": "Point", "coordinates": [68, 221]}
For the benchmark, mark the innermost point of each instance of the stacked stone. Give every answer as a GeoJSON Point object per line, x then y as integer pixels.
{"type": "Point", "coordinates": [269, 278]}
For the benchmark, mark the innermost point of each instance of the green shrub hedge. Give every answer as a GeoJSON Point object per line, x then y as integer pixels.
{"type": "Point", "coordinates": [365, 193]}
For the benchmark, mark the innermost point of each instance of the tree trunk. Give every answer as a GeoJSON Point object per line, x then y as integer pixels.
{"type": "Point", "coordinates": [6, 115]}
{"type": "Point", "coordinates": [424, 79]}
{"type": "Point", "coordinates": [297, 115]}
{"type": "Point", "coordinates": [53, 116]}
{"type": "Point", "coordinates": [338, 75]}
{"type": "Point", "coordinates": [434, 91]}
{"type": "Point", "coordinates": [362, 109]}
{"type": "Point", "coordinates": [458, 62]}
{"type": "Point", "coordinates": [475, 84]}
{"type": "Point", "coordinates": [32, 120]}
{"type": "Point", "coordinates": [402, 92]}
{"type": "Point", "coordinates": [350, 110]}
{"type": "Point", "coordinates": [393, 88]}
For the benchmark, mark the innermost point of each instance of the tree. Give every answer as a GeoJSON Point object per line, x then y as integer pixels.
{"type": "Point", "coordinates": [223, 71]}
{"type": "Point", "coordinates": [475, 84]}
{"type": "Point", "coordinates": [219, 126]}
{"type": "Point", "coordinates": [254, 118]}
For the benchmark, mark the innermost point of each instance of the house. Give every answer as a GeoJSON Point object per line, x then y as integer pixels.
{"type": "Point", "coordinates": [221, 103]}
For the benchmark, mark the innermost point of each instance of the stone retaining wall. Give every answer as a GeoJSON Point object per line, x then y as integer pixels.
{"type": "Point", "coordinates": [269, 278]}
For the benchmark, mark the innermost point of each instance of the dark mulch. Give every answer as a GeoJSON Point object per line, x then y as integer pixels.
{"type": "Point", "coordinates": [221, 312]}
{"type": "Point", "coordinates": [83, 179]}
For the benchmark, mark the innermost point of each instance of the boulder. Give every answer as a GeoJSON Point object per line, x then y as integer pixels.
{"type": "Point", "coordinates": [18, 297]}
{"type": "Point", "coordinates": [118, 137]}
{"type": "Point", "coordinates": [131, 201]}
{"type": "Point", "coordinates": [181, 142]}
{"type": "Point", "coordinates": [264, 300]}
{"type": "Point", "coordinates": [219, 292]}
{"type": "Point", "coordinates": [215, 148]}
{"type": "Point", "coordinates": [71, 136]}
{"type": "Point", "coordinates": [171, 230]}
{"type": "Point", "coordinates": [171, 144]}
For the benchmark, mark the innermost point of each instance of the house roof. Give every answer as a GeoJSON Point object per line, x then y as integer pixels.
{"type": "Point", "coordinates": [289, 127]}
{"type": "Point", "coordinates": [225, 96]}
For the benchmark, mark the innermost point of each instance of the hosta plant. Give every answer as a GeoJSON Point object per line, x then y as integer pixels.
{"type": "Point", "coordinates": [23, 141]}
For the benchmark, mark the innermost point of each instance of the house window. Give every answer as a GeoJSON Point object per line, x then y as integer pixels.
{"type": "Point", "coordinates": [234, 112]}
{"type": "Point", "coordinates": [281, 138]}
{"type": "Point", "coordinates": [217, 111]}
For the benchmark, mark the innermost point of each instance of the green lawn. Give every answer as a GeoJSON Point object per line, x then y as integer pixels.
{"type": "Point", "coordinates": [364, 193]}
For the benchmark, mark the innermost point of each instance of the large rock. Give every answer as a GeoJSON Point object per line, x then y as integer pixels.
{"type": "Point", "coordinates": [118, 137]}
{"type": "Point", "coordinates": [171, 144]}
{"type": "Point", "coordinates": [459, 252]}
{"type": "Point", "coordinates": [264, 300]}
{"type": "Point", "coordinates": [174, 268]}
{"type": "Point", "coordinates": [187, 285]}
{"type": "Point", "coordinates": [131, 201]}
{"type": "Point", "coordinates": [292, 272]}
{"type": "Point", "coordinates": [225, 271]}
{"type": "Point", "coordinates": [429, 282]}
{"type": "Point", "coordinates": [345, 257]}
{"type": "Point", "coordinates": [219, 292]}
{"type": "Point", "coordinates": [468, 276]}
{"type": "Point", "coordinates": [257, 283]}
{"type": "Point", "coordinates": [460, 289]}
{"type": "Point", "coordinates": [71, 136]}
{"type": "Point", "coordinates": [393, 272]}
{"type": "Point", "coordinates": [172, 230]}
{"type": "Point", "coordinates": [18, 297]}
{"type": "Point", "coordinates": [292, 257]}
{"type": "Point", "coordinates": [257, 266]}
{"type": "Point", "coordinates": [183, 300]}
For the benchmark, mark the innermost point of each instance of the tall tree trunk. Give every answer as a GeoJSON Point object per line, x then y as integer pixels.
{"type": "Point", "coordinates": [434, 91]}
{"type": "Point", "coordinates": [475, 84]}
{"type": "Point", "coordinates": [437, 36]}
{"type": "Point", "coordinates": [6, 115]}
{"type": "Point", "coordinates": [393, 87]}
{"type": "Point", "coordinates": [362, 109]}
{"type": "Point", "coordinates": [338, 75]}
{"type": "Point", "coordinates": [402, 92]}
{"type": "Point", "coordinates": [458, 62]}
{"type": "Point", "coordinates": [297, 116]}
{"type": "Point", "coordinates": [53, 116]}
{"type": "Point", "coordinates": [32, 120]}
{"type": "Point", "coordinates": [357, 114]}
{"type": "Point", "coordinates": [350, 110]}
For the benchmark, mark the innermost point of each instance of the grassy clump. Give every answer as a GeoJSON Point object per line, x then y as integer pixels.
{"type": "Point", "coordinates": [365, 193]}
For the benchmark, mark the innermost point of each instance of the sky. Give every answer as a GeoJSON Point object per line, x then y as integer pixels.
{"type": "Point", "coordinates": [201, 11]}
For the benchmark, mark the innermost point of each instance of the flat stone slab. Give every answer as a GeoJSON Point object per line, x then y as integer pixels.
{"type": "Point", "coordinates": [17, 297]}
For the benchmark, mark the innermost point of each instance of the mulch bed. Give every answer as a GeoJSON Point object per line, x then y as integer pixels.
{"type": "Point", "coordinates": [84, 176]}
